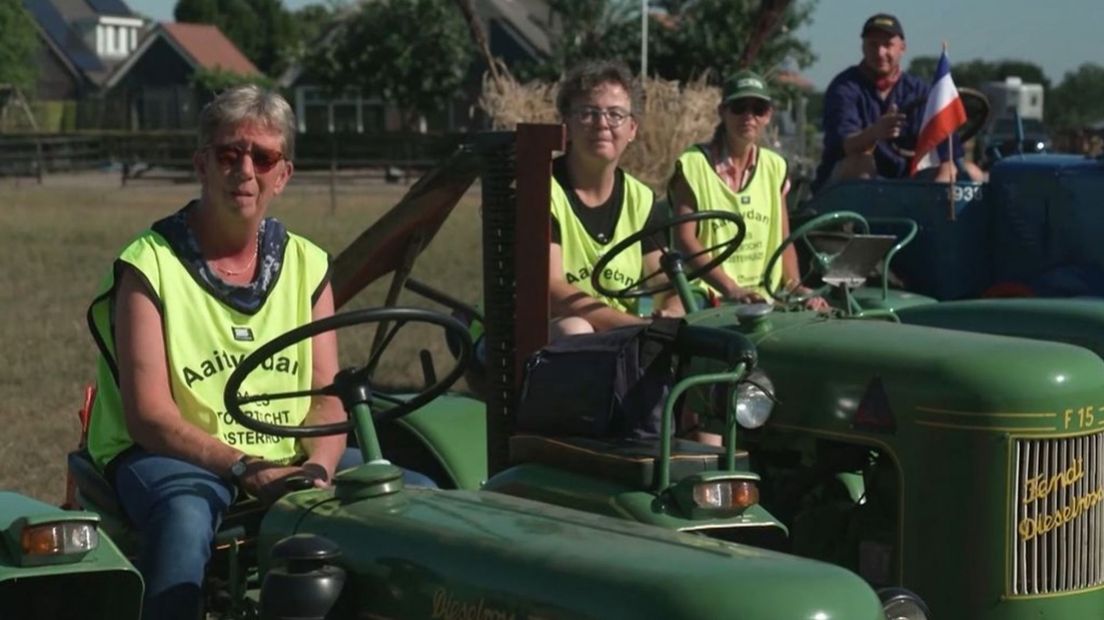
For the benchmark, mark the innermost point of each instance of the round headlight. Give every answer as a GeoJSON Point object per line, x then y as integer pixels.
{"type": "Point", "coordinates": [753, 400]}
{"type": "Point", "coordinates": [901, 604]}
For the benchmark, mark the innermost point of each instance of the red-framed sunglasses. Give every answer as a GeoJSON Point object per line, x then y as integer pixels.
{"type": "Point", "coordinates": [230, 155]}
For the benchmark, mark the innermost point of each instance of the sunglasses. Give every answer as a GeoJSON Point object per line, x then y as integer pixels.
{"type": "Point", "coordinates": [758, 107]}
{"type": "Point", "coordinates": [230, 156]}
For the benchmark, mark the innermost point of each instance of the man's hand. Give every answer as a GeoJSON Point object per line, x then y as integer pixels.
{"type": "Point", "coordinates": [744, 296]}
{"type": "Point", "coordinates": [267, 481]}
{"type": "Point", "coordinates": [946, 173]}
{"type": "Point", "coordinates": [889, 125]}
{"type": "Point", "coordinates": [817, 303]}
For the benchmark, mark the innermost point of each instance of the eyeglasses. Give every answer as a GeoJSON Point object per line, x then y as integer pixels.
{"type": "Point", "coordinates": [230, 156]}
{"type": "Point", "coordinates": [758, 107]}
{"type": "Point", "coordinates": [589, 115]}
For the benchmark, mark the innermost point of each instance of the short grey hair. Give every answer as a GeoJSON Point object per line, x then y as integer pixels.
{"type": "Point", "coordinates": [248, 103]}
{"type": "Point", "coordinates": [584, 78]}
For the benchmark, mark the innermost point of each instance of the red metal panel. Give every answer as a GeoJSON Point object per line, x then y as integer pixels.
{"type": "Point", "coordinates": [535, 145]}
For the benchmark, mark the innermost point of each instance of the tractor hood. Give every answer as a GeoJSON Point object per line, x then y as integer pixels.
{"type": "Point", "coordinates": [876, 377]}
{"type": "Point", "coordinates": [1078, 322]}
{"type": "Point", "coordinates": [456, 554]}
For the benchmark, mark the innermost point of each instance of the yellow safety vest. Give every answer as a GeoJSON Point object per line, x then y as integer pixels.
{"type": "Point", "coordinates": [581, 251]}
{"type": "Point", "coordinates": [759, 203]}
{"type": "Point", "coordinates": [204, 341]}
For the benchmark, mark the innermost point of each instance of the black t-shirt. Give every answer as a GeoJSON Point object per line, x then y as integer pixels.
{"type": "Point", "coordinates": [600, 221]}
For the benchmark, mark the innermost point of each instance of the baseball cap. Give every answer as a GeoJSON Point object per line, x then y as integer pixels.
{"type": "Point", "coordinates": [745, 84]}
{"type": "Point", "coordinates": [884, 22]}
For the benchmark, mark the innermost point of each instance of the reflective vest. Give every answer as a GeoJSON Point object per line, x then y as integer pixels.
{"type": "Point", "coordinates": [581, 251]}
{"type": "Point", "coordinates": [759, 203]}
{"type": "Point", "coordinates": [205, 340]}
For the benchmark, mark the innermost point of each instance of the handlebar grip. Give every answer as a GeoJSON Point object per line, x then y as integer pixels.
{"type": "Point", "coordinates": [724, 345]}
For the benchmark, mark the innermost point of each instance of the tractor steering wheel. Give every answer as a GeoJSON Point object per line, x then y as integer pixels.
{"type": "Point", "coordinates": [670, 258]}
{"type": "Point", "coordinates": [351, 385]}
{"type": "Point", "coordinates": [820, 263]}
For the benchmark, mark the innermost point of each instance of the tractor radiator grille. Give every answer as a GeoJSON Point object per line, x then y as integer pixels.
{"type": "Point", "coordinates": [1058, 520]}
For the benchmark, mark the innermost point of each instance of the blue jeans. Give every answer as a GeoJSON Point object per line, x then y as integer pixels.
{"type": "Point", "coordinates": [177, 507]}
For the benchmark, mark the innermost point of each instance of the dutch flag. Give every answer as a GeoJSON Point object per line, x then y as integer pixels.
{"type": "Point", "coordinates": [943, 114]}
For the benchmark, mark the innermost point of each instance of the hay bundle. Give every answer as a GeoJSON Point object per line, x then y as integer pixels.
{"type": "Point", "coordinates": [675, 116]}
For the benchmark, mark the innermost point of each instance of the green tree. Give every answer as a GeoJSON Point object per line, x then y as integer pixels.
{"type": "Point", "coordinates": [592, 30]}
{"type": "Point", "coordinates": [974, 73]}
{"type": "Point", "coordinates": [309, 23]}
{"type": "Point", "coordinates": [686, 37]}
{"type": "Point", "coordinates": [18, 44]}
{"type": "Point", "coordinates": [262, 29]}
{"type": "Point", "coordinates": [715, 35]}
{"type": "Point", "coordinates": [414, 53]}
{"type": "Point", "coordinates": [1078, 100]}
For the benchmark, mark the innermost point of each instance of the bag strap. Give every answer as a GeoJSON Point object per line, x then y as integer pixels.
{"type": "Point", "coordinates": [658, 338]}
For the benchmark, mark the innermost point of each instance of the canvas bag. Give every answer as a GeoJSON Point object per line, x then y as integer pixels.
{"type": "Point", "coordinates": [610, 384]}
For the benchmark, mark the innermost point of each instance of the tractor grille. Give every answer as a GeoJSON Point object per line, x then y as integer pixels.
{"type": "Point", "coordinates": [1058, 519]}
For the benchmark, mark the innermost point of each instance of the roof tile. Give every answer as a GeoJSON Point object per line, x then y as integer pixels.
{"type": "Point", "coordinates": [210, 48]}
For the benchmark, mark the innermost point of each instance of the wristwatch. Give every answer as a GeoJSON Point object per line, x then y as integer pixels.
{"type": "Point", "coordinates": [239, 467]}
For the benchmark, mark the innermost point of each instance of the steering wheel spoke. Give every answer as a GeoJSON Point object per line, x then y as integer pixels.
{"type": "Point", "coordinates": [391, 330]}
{"type": "Point", "coordinates": [662, 230]}
{"type": "Point", "coordinates": [820, 261]}
{"type": "Point", "coordinates": [251, 398]}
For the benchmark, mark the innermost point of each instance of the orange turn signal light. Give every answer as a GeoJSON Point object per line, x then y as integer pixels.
{"type": "Point", "coordinates": [59, 538]}
{"type": "Point", "coordinates": [726, 494]}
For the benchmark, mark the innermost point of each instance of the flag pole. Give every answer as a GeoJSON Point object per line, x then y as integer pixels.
{"type": "Point", "coordinates": [951, 215]}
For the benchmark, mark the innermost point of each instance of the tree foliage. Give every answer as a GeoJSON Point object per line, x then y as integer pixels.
{"type": "Point", "coordinates": [713, 35]}
{"type": "Point", "coordinates": [18, 44]}
{"type": "Point", "coordinates": [974, 73]}
{"type": "Point", "coordinates": [685, 38]}
{"type": "Point", "coordinates": [415, 53]}
{"type": "Point", "coordinates": [218, 79]}
{"type": "Point", "coordinates": [1079, 100]}
{"type": "Point", "coordinates": [262, 29]}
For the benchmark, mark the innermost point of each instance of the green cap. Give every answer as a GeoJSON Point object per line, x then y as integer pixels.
{"type": "Point", "coordinates": [745, 84]}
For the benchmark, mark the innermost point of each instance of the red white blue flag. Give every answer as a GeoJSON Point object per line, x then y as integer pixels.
{"type": "Point", "coordinates": [943, 114]}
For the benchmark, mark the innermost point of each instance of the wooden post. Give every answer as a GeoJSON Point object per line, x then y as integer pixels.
{"type": "Point", "coordinates": [38, 159]}
{"type": "Point", "coordinates": [333, 173]}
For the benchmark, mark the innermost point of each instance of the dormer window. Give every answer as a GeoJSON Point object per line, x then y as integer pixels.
{"type": "Point", "coordinates": [116, 37]}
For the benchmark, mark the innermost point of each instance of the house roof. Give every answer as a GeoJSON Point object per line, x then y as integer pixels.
{"type": "Point", "coordinates": [203, 46]}
{"type": "Point", "coordinates": [61, 23]}
{"type": "Point", "coordinates": [55, 25]}
{"type": "Point", "coordinates": [528, 20]}
{"type": "Point", "coordinates": [206, 47]}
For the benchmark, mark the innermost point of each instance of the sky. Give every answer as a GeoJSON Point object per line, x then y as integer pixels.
{"type": "Point", "coordinates": [1058, 35]}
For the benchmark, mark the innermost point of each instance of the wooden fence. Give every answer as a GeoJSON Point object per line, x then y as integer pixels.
{"type": "Point", "coordinates": [154, 154]}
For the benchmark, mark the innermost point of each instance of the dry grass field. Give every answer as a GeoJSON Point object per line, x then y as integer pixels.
{"type": "Point", "coordinates": [60, 237]}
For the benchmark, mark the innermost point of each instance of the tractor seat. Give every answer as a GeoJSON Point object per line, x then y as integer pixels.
{"type": "Point", "coordinates": [96, 493]}
{"type": "Point", "coordinates": [632, 462]}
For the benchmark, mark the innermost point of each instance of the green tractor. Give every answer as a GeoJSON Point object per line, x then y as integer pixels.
{"type": "Point", "coordinates": [955, 453]}
{"type": "Point", "coordinates": [368, 547]}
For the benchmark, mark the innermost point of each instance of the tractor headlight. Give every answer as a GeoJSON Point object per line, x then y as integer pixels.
{"type": "Point", "coordinates": [901, 604]}
{"type": "Point", "coordinates": [754, 400]}
{"type": "Point", "coordinates": [726, 494]}
{"type": "Point", "coordinates": [55, 539]}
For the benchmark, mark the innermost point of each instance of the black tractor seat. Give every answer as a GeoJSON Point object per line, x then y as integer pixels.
{"type": "Point", "coordinates": [95, 493]}
{"type": "Point", "coordinates": [632, 462]}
